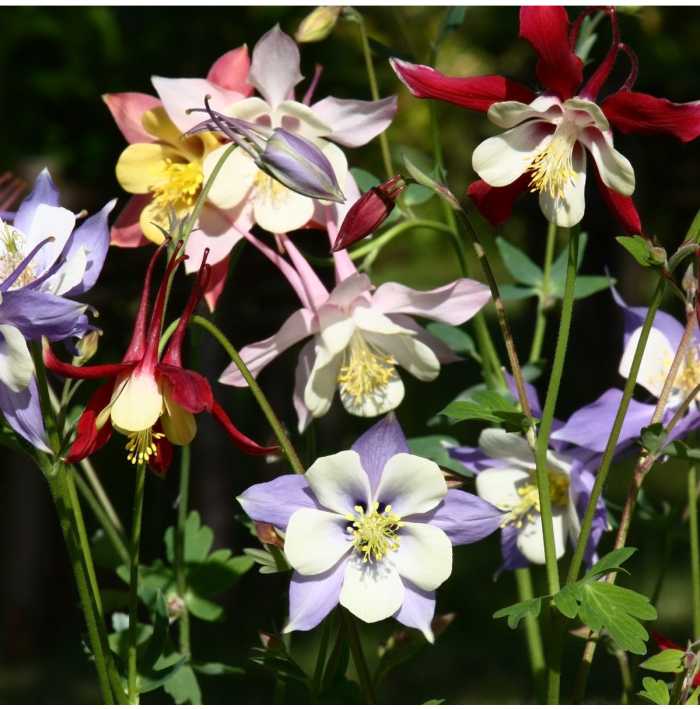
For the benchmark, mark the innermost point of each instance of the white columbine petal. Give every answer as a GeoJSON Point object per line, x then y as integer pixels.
{"type": "Point", "coordinates": [615, 169]}
{"type": "Point", "coordinates": [372, 592]}
{"type": "Point", "coordinates": [316, 540]}
{"type": "Point", "coordinates": [339, 482]}
{"type": "Point", "coordinates": [424, 556]}
{"type": "Point", "coordinates": [379, 401]}
{"type": "Point", "coordinates": [138, 404]}
{"type": "Point", "coordinates": [656, 361]}
{"type": "Point", "coordinates": [411, 484]}
{"type": "Point", "coordinates": [530, 540]}
{"type": "Point", "coordinates": [568, 209]}
{"type": "Point", "coordinates": [16, 365]}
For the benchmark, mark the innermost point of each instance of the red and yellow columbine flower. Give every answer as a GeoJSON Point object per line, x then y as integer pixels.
{"type": "Point", "coordinates": [152, 402]}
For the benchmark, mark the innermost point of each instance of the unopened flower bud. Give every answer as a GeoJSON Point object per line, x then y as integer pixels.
{"type": "Point", "coordinates": [318, 24]}
{"type": "Point", "coordinates": [87, 346]}
{"type": "Point", "coordinates": [368, 212]}
{"type": "Point", "coordinates": [299, 165]}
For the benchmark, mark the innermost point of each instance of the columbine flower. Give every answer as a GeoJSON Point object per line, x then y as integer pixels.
{"type": "Point", "coordinates": [274, 73]}
{"type": "Point", "coordinates": [359, 336]}
{"type": "Point", "coordinates": [505, 468]}
{"type": "Point", "coordinates": [43, 262]}
{"type": "Point", "coordinates": [151, 402]}
{"type": "Point", "coordinates": [165, 172]}
{"type": "Point", "coordinates": [543, 148]}
{"type": "Point", "coordinates": [371, 528]}
{"type": "Point", "coordinates": [368, 212]}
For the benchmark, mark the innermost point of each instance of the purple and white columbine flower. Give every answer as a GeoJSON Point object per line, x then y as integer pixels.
{"type": "Point", "coordinates": [371, 528]}
{"type": "Point", "coordinates": [43, 262]}
{"type": "Point", "coordinates": [505, 468]}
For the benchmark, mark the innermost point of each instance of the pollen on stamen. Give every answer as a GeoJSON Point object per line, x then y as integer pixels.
{"type": "Point", "coordinates": [364, 369]}
{"type": "Point", "coordinates": [374, 533]}
{"type": "Point", "coordinates": [529, 504]}
{"type": "Point", "coordinates": [12, 242]}
{"type": "Point", "coordinates": [177, 183]}
{"type": "Point", "coordinates": [551, 167]}
{"type": "Point", "coordinates": [142, 445]}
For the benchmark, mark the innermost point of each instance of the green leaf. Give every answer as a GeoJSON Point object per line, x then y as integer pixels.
{"type": "Point", "coordinates": [454, 337]}
{"type": "Point", "coordinates": [433, 448]}
{"type": "Point", "coordinates": [198, 540]}
{"type": "Point", "coordinates": [678, 449]}
{"type": "Point", "coordinates": [518, 264]}
{"type": "Point", "coordinates": [616, 609]}
{"type": "Point", "coordinates": [156, 678]}
{"type": "Point", "coordinates": [204, 609]}
{"type": "Point", "coordinates": [643, 251]}
{"type": "Point", "coordinates": [693, 698]}
{"type": "Point", "coordinates": [483, 406]}
{"type": "Point", "coordinates": [218, 573]}
{"type": "Point", "coordinates": [566, 600]}
{"type": "Point", "coordinates": [655, 690]}
{"type": "Point", "coordinates": [519, 610]}
{"type": "Point", "coordinates": [610, 562]}
{"type": "Point", "coordinates": [515, 292]}
{"type": "Point", "coordinates": [183, 686]}
{"type": "Point", "coordinates": [669, 660]}
{"type": "Point", "coordinates": [588, 285]}
{"type": "Point", "coordinates": [451, 20]}
{"type": "Point", "coordinates": [155, 646]}
{"type": "Point", "coordinates": [215, 668]}
{"type": "Point", "coordinates": [653, 437]}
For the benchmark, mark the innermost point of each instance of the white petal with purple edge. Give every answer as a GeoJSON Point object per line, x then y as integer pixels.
{"type": "Point", "coordinates": [530, 541]}
{"type": "Point", "coordinates": [656, 360]}
{"type": "Point", "coordinates": [417, 610]}
{"type": "Point", "coordinates": [316, 540]}
{"type": "Point", "coordinates": [16, 365]}
{"type": "Point", "coordinates": [499, 486]}
{"type": "Point", "coordinates": [371, 592]}
{"type": "Point", "coordinates": [339, 482]}
{"type": "Point", "coordinates": [312, 598]}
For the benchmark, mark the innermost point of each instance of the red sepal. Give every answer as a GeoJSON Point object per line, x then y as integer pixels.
{"type": "Point", "coordinates": [236, 437]}
{"type": "Point", "coordinates": [89, 437]}
{"type": "Point", "coordinates": [622, 207]}
{"type": "Point", "coordinates": [496, 203]}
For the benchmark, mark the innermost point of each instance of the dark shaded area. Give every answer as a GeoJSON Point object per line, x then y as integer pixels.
{"type": "Point", "coordinates": [55, 63]}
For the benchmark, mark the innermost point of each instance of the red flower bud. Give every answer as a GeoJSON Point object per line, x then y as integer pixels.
{"type": "Point", "coordinates": [368, 212]}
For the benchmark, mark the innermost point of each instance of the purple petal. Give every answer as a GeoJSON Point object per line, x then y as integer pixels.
{"type": "Point", "coordinates": [36, 315]}
{"type": "Point", "coordinates": [312, 598]}
{"type": "Point", "coordinates": [275, 501]}
{"type": "Point", "coordinates": [93, 236]}
{"type": "Point", "coordinates": [464, 517]}
{"type": "Point", "coordinates": [590, 426]}
{"type": "Point", "coordinates": [417, 609]}
{"type": "Point", "coordinates": [384, 440]}
{"type": "Point", "coordinates": [512, 558]}
{"type": "Point", "coordinates": [44, 192]}
{"type": "Point", "coordinates": [23, 413]}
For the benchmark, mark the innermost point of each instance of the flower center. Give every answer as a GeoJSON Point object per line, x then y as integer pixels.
{"type": "Point", "coordinates": [551, 167]}
{"type": "Point", "coordinates": [522, 511]}
{"type": "Point", "coordinates": [177, 183]}
{"type": "Point", "coordinates": [268, 190]}
{"type": "Point", "coordinates": [142, 445]}
{"type": "Point", "coordinates": [364, 368]}
{"type": "Point", "coordinates": [12, 242]}
{"type": "Point", "coordinates": [688, 376]}
{"type": "Point", "coordinates": [374, 532]}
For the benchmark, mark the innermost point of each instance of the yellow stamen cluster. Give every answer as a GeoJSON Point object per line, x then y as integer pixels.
{"type": "Point", "coordinates": [267, 188]}
{"type": "Point", "coordinates": [530, 498]}
{"type": "Point", "coordinates": [364, 368]}
{"type": "Point", "coordinates": [177, 183]}
{"type": "Point", "coordinates": [552, 166]}
{"type": "Point", "coordinates": [142, 445]}
{"type": "Point", "coordinates": [11, 255]}
{"type": "Point", "coordinates": [374, 532]}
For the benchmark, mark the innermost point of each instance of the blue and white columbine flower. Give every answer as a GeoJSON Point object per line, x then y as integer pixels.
{"type": "Point", "coordinates": [505, 468]}
{"type": "Point", "coordinates": [371, 528]}
{"type": "Point", "coordinates": [42, 263]}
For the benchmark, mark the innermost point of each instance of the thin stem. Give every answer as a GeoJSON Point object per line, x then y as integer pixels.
{"type": "Point", "coordinates": [264, 404]}
{"type": "Point", "coordinates": [180, 571]}
{"type": "Point", "coordinates": [523, 578]}
{"type": "Point", "coordinates": [694, 547]}
{"type": "Point", "coordinates": [358, 657]}
{"type": "Point", "coordinates": [133, 691]}
{"type": "Point", "coordinates": [542, 304]}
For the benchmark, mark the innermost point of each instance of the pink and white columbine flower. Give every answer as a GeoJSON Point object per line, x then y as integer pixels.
{"type": "Point", "coordinates": [359, 334]}
{"type": "Point", "coordinates": [544, 147]}
{"type": "Point", "coordinates": [274, 73]}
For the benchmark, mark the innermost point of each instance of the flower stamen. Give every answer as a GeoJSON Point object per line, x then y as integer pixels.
{"type": "Point", "coordinates": [11, 255]}
{"type": "Point", "coordinates": [551, 167]}
{"type": "Point", "coordinates": [374, 532]}
{"type": "Point", "coordinates": [522, 511]}
{"type": "Point", "coordinates": [177, 183]}
{"type": "Point", "coordinates": [142, 445]}
{"type": "Point", "coordinates": [364, 369]}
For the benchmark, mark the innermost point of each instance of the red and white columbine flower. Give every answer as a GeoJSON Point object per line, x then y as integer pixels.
{"type": "Point", "coordinates": [543, 148]}
{"type": "Point", "coordinates": [152, 402]}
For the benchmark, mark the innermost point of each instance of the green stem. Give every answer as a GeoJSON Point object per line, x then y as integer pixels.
{"type": "Point", "coordinates": [694, 547]}
{"type": "Point", "coordinates": [543, 304]}
{"type": "Point", "coordinates": [180, 571]}
{"type": "Point", "coordinates": [106, 673]}
{"type": "Point", "coordinates": [523, 578]}
{"type": "Point", "coordinates": [264, 404]}
{"type": "Point", "coordinates": [133, 690]}
{"type": "Point", "coordinates": [358, 657]}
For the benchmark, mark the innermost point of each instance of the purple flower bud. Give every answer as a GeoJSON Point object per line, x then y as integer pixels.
{"type": "Point", "coordinates": [299, 165]}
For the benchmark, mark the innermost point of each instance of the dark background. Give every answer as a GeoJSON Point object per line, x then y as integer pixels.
{"type": "Point", "coordinates": [55, 63]}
